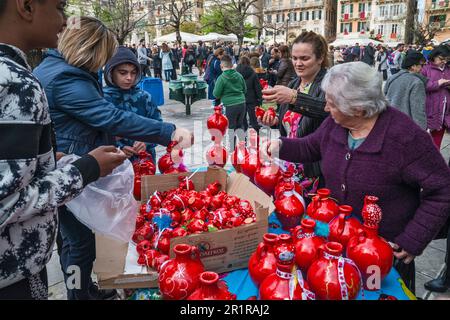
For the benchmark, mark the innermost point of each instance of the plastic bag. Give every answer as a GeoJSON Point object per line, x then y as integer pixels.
{"type": "Point", "coordinates": [107, 206]}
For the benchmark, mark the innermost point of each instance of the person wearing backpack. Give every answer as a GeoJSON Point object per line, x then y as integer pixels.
{"type": "Point", "coordinates": [167, 61]}
{"type": "Point", "coordinates": [214, 71]}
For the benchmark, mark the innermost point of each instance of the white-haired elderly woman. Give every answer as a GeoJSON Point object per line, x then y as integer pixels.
{"type": "Point", "coordinates": [369, 148]}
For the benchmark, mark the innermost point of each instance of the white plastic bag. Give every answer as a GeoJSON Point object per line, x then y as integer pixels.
{"type": "Point", "coordinates": [107, 206]}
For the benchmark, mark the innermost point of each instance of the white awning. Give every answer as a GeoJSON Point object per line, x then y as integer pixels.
{"type": "Point", "coordinates": [172, 37]}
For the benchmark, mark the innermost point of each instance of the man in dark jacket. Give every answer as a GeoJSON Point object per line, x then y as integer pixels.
{"type": "Point", "coordinates": [264, 58]}
{"type": "Point", "coordinates": [253, 96]}
{"type": "Point", "coordinates": [368, 55]}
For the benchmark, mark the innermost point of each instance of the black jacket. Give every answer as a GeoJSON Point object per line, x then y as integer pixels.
{"type": "Point", "coordinates": [312, 108]}
{"type": "Point", "coordinates": [254, 90]}
{"type": "Point", "coordinates": [286, 72]}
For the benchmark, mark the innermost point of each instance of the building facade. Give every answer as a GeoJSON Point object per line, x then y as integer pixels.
{"type": "Point", "coordinates": [284, 20]}
{"type": "Point", "coordinates": [437, 13]}
{"type": "Point", "coordinates": [384, 20]}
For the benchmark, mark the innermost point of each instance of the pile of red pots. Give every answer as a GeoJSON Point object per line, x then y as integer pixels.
{"type": "Point", "coordinates": [183, 211]}
{"type": "Point", "coordinates": [352, 258]}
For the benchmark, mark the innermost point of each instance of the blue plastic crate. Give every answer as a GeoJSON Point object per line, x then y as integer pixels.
{"type": "Point", "coordinates": [154, 86]}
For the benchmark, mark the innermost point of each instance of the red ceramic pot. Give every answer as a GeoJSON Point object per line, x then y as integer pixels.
{"type": "Point", "coordinates": [148, 257]}
{"type": "Point", "coordinates": [332, 277]}
{"type": "Point", "coordinates": [143, 246]}
{"type": "Point", "coordinates": [155, 201]}
{"type": "Point", "coordinates": [197, 226]}
{"type": "Point", "coordinates": [371, 211]}
{"type": "Point", "coordinates": [245, 208]}
{"type": "Point", "coordinates": [163, 244]}
{"type": "Point", "coordinates": [234, 222]}
{"type": "Point", "coordinates": [185, 183]}
{"type": "Point", "coordinates": [144, 233]}
{"type": "Point", "coordinates": [213, 188]}
{"type": "Point", "coordinates": [344, 226]}
{"type": "Point", "coordinates": [289, 207]}
{"type": "Point", "coordinates": [284, 249]}
{"type": "Point", "coordinates": [145, 157]}
{"type": "Point", "coordinates": [165, 163]}
{"type": "Point", "coordinates": [179, 232]}
{"type": "Point", "coordinates": [307, 245]}
{"type": "Point", "coordinates": [217, 155]}
{"type": "Point", "coordinates": [179, 277]}
{"type": "Point", "coordinates": [217, 124]}
{"type": "Point", "coordinates": [196, 203]}
{"type": "Point", "coordinates": [250, 164]}
{"type": "Point", "coordinates": [322, 207]}
{"type": "Point", "coordinates": [140, 221]}
{"type": "Point", "coordinates": [271, 112]}
{"type": "Point", "coordinates": [211, 288]}
{"type": "Point", "coordinates": [267, 176]}
{"type": "Point", "coordinates": [159, 261]}
{"type": "Point", "coordinates": [287, 177]}
{"type": "Point", "coordinates": [239, 156]}
{"type": "Point", "coordinates": [259, 112]}
{"type": "Point", "coordinates": [280, 286]}
{"type": "Point", "coordinates": [372, 254]}
{"type": "Point", "coordinates": [263, 261]}
{"type": "Point", "coordinates": [186, 215]}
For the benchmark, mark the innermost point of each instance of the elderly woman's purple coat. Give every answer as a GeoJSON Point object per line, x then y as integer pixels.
{"type": "Point", "coordinates": [397, 162]}
{"type": "Point", "coordinates": [438, 97]}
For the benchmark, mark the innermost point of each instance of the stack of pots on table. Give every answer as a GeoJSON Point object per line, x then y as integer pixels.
{"type": "Point", "coordinates": [333, 268]}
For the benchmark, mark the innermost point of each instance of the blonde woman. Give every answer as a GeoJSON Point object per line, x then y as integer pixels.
{"type": "Point", "coordinates": [84, 120]}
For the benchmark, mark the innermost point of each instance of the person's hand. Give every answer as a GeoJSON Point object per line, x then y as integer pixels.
{"type": "Point", "coordinates": [278, 94]}
{"type": "Point", "coordinates": [59, 155]}
{"type": "Point", "coordinates": [129, 151]}
{"type": "Point", "coordinates": [268, 120]}
{"type": "Point", "coordinates": [270, 149]}
{"type": "Point", "coordinates": [139, 146]}
{"type": "Point", "coordinates": [184, 137]}
{"type": "Point", "coordinates": [443, 82]}
{"type": "Point", "coordinates": [108, 158]}
{"type": "Point", "coordinates": [402, 254]}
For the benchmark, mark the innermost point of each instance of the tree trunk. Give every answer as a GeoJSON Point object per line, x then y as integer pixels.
{"type": "Point", "coordinates": [177, 30]}
{"type": "Point", "coordinates": [409, 23]}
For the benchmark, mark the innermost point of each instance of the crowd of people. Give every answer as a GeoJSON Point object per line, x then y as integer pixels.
{"type": "Point", "coordinates": [341, 126]}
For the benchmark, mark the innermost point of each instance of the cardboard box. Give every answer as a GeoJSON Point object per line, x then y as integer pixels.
{"type": "Point", "coordinates": [221, 251]}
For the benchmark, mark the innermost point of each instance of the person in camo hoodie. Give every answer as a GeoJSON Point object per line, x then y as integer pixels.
{"type": "Point", "coordinates": [122, 75]}
{"type": "Point", "coordinates": [31, 188]}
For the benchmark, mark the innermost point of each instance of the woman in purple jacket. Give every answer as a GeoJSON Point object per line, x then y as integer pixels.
{"type": "Point", "coordinates": [369, 148]}
{"type": "Point", "coordinates": [438, 93]}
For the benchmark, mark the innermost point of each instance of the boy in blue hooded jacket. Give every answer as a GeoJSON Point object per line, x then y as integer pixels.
{"type": "Point", "coordinates": [122, 74]}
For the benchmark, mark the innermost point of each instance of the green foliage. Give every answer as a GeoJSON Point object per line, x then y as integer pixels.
{"type": "Point", "coordinates": [226, 21]}
{"type": "Point", "coordinates": [190, 27]}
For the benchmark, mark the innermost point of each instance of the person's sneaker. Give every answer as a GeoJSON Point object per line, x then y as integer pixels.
{"type": "Point", "coordinates": [97, 294]}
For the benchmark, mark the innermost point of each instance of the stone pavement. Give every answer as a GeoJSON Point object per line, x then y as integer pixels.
{"type": "Point", "coordinates": [428, 266]}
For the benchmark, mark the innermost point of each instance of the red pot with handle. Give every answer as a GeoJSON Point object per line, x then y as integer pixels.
{"type": "Point", "coordinates": [344, 226]}
{"type": "Point", "coordinates": [211, 288]}
{"type": "Point", "coordinates": [333, 277]}
{"type": "Point", "coordinates": [217, 124]}
{"type": "Point", "coordinates": [307, 245]}
{"type": "Point", "coordinates": [322, 207]}
{"type": "Point", "coordinates": [371, 253]}
{"type": "Point", "coordinates": [290, 207]}
{"type": "Point", "coordinates": [179, 277]}
{"type": "Point", "coordinates": [263, 261]}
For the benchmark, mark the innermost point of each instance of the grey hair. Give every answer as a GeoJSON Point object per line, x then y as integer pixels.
{"type": "Point", "coordinates": [355, 86]}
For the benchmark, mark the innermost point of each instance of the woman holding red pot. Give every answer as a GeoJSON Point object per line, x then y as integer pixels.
{"type": "Point", "coordinates": [302, 102]}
